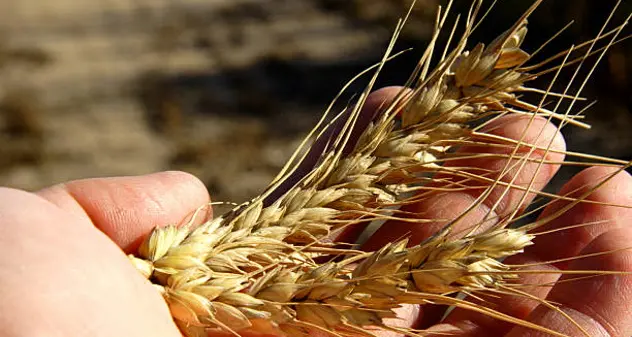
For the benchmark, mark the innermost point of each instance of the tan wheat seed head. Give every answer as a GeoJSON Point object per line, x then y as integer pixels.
{"type": "Point", "coordinates": [270, 266]}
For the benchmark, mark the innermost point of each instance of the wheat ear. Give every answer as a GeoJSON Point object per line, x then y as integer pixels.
{"type": "Point", "coordinates": [260, 267]}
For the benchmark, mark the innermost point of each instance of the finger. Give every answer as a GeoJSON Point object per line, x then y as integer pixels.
{"type": "Point", "coordinates": [442, 207]}
{"type": "Point", "coordinates": [127, 208]}
{"type": "Point", "coordinates": [595, 218]}
{"type": "Point", "coordinates": [602, 305]}
{"type": "Point", "coordinates": [567, 242]}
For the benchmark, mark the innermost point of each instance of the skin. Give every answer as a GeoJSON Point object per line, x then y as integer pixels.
{"type": "Point", "coordinates": [64, 270]}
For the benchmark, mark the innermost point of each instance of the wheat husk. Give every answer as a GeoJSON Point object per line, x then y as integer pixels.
{"type": "Point", "coordinates": [266, 265]}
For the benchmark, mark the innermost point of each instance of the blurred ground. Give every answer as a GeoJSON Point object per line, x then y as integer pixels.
{"type": "Point", "coordinates": [225, 89]}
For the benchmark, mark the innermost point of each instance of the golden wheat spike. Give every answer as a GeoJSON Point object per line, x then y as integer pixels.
{"type": "Point", "coordinates": [266, 266]}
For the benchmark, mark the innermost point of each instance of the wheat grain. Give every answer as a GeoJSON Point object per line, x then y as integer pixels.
{"type": "Point", "coordinates": [333, 295]}
{"type": "Point", "coordinates": [259, 266]}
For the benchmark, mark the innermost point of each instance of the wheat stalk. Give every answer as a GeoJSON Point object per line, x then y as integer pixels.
{"type": "Point", "coordinates": [260, 267]}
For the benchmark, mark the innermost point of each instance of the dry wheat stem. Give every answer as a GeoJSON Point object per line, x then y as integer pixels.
{"type": "Point", "coordinates": [260, 267]}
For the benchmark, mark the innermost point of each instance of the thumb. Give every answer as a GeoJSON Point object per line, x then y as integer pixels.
{"type": "Point", "coordinates": [127, 208]}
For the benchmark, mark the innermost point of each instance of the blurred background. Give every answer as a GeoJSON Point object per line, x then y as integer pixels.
{"type": "Point", "coordinates": [225, 89]}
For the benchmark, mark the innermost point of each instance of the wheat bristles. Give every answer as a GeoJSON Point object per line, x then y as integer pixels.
{"type": "Point", "coordinates": [261, 267]}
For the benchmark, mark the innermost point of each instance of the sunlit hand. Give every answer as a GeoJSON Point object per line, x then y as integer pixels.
{"type": "Point", "coordinates": [64, 272]}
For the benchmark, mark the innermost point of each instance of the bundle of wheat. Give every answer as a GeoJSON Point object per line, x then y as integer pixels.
{"type": "Point", "coordinates": [276, 265]}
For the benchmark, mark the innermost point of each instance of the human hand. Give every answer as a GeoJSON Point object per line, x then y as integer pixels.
{"type": "Point", "coordinates": [601, 305]}
{"type": "Point", "coordinates": [61, 276]}
{"type": "Point", "coordinates": [63, 267]}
